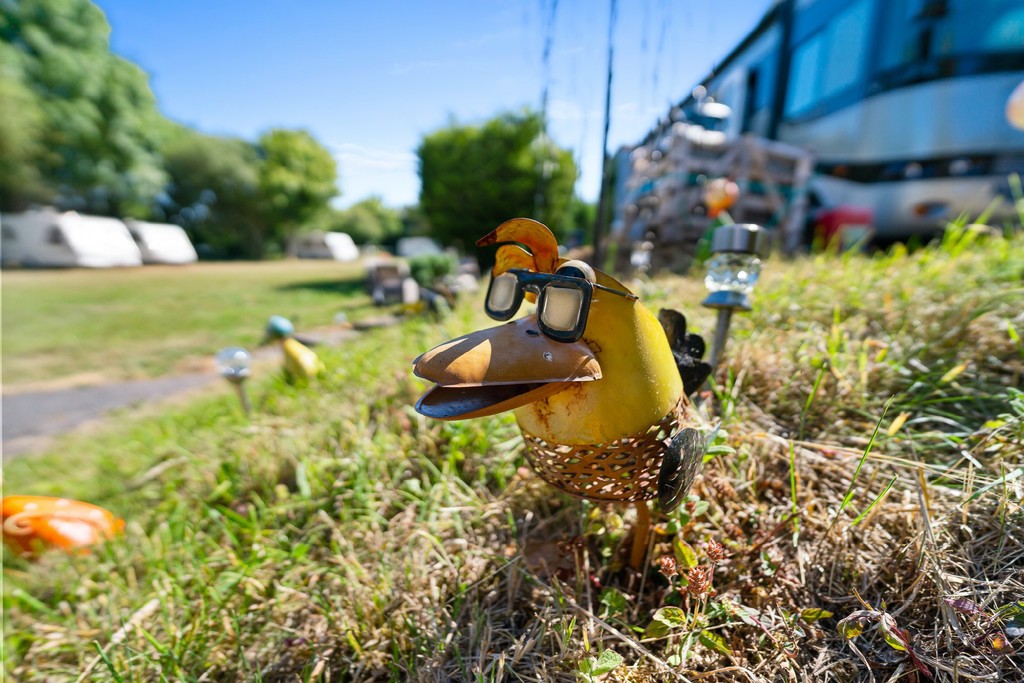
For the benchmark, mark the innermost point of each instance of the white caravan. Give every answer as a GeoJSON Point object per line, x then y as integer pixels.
{"type": "Point", "coordinates": [50, 238]}
{"type": "Point", "coordinates": [162, 242]}
{"type": "Point", "coordinates": [326, 245]}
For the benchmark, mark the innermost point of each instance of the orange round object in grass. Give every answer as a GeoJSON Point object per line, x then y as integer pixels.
{"type": "Point", "coordinates": [32, 523]}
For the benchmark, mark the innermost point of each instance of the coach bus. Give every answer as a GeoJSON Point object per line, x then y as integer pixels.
{"type": "Point", "coordinates": [902, 102]}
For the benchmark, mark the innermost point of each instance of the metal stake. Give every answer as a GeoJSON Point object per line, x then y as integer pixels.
{"type": "Point", "coordinates": [243, 396]}
{"type": "Point", "coordinates": [721, 335]}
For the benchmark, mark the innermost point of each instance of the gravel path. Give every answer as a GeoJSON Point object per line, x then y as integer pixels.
{"type": "Point", "coordinates": [31, 418]}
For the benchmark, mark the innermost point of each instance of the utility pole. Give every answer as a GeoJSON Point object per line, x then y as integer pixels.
{"type": "Point", "coordinates": [602, 197]}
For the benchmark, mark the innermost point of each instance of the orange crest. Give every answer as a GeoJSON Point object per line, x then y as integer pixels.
{"type": "Point", "coordinates": [31, 523]}
{"type": "Point", "coordinates": [541, 248]}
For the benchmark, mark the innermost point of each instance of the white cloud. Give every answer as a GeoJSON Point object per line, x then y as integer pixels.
{"type": "Point", "coordinates": [570, 112]}
{"type": "Point", "coordinates": [367, 171]}
{"type": "Point", "coordinates": [351, 155]}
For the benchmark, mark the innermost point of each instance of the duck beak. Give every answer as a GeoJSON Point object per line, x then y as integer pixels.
{"type": "Point", "coordinates": [498, 369]}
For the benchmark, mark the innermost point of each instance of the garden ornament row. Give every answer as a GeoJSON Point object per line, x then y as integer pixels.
{"type": "Point", "coordinates": [599, 387]}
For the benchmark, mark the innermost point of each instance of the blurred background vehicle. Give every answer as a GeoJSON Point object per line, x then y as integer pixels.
{"type": "Point", "coordinates": [162, 242]}
{"type": "Point", "coordinates": [50, 238]}
{"type": "Point", "coordinates": [318, 244]}
{"type": "Point", "coordinates": [901, 103]}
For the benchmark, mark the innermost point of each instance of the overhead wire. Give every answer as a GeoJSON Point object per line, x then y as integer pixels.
{"type": "Point", "coordinates": [540, 198]}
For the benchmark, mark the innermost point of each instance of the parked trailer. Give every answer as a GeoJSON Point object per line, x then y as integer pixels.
{"type": "Point", "coordinates": [324, 245]}
{"type": "Point", "coordinates": [162, 242]}
{"type": "Point", "coordinates": [50, 238]}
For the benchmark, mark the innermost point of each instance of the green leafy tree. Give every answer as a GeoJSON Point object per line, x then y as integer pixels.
{"type": "Point", "coordinates": [21, 129]}
{"type": "Point", "coordinates": [370, 222]}
{"type": "Point", "coordinates": [98, 118]}
{"type": "Point", "coordinates": [475, 177]}
{"type": "Point", "coordinates": [580, 217]}
{"type": "Point", "coordinates": [214, 193]}
{"type": "Point", "coordinates": [297, 179]}
{"type": "Point", "coordinates": [414, 223]}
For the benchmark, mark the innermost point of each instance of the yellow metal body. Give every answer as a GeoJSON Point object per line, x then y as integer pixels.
{"type": "Point", "coordinates": [300, 361]}
{"type": "Point", "coordinates": [617, 381]}
{"type": "Point", "coordinates": [640, 383]}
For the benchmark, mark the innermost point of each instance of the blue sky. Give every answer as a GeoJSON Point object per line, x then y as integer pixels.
{"type": "Point", "coordinates": [369, 79]}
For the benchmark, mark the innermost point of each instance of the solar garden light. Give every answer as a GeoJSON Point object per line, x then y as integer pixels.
{"type": "Point", "coordinates": [732, 272]}
{"type": "Point", "coordinates": [233, 364]}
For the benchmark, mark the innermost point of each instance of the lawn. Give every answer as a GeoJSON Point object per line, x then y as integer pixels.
{"type": "Point", "coordinates": [858, 517]}
{"type": "Point", "coordinates": [143, 322]}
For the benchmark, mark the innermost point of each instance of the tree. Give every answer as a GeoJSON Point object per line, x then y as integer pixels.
{"type": "Point", "coordinates": [297, 179]}
{"type": "Point", "coordinates": [81, 129]}
{"type": "Point", "coordinates": [21, 129]}
{"type": "Point", "coordinates": [580, 215]}
{"type": "Point", "coordinates": [370, 222]}
{"type": "Point", "coordinates": [214, 193]}
{"type": "Point", "coordinates": [414, 223]}
{"type": "Point", "coordinates": [475, 177]}
{"type": "Point", "coordinates": [98, 118]}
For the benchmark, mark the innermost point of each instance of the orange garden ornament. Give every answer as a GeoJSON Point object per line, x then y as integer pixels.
{"type": "Point", "coordinates": [32, 523]}
{"type": "Point", "coordinates": [719, 195]}
{"type": "Point", "coordinates": [599, 386]}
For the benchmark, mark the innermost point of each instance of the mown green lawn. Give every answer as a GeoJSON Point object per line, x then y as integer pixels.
{"type": "Point", "coordinates": [865, 484]}
{"type": "Point", "coordinates": [142, 322]}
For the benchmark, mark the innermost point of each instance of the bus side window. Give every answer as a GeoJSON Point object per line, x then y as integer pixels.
{"type": "Point", "coordinates": [847, 53]}
{"type": "Point", "coordinates": [55, 236]}
{"type": "Point", "coordinates": [804, 81]}
{"type": "Point", "coordinates": [830, 63]}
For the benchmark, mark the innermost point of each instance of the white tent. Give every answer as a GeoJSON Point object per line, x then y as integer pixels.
{"type": "Point", "coordinates": [47, 237]}
{"type": "Point", "coordinates": [162, 242]}
{"type": "Point", "coordinates": [326, 245]}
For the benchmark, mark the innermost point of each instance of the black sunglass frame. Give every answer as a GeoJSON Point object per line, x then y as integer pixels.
{"type": "Point", "coordinates": [528, 280]}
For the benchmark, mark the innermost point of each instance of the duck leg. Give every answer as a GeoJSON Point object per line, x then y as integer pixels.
{"type": "Point", "coordinates": [641, 535]}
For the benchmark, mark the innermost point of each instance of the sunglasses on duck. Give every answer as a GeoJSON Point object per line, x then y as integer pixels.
{"type": "Point", "coordinates": [563, 298]}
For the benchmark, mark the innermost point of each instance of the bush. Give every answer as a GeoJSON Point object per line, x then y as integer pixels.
{"type": "Point", "coordinates": [427, 269]}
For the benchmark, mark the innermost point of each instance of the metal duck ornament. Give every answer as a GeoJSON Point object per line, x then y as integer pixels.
{"type": "Point", "coordinates": [599, 386]}
{"type": "Point", "coordinates": [300, 363]}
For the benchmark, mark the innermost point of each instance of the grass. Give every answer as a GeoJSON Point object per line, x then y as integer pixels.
{"type": "Point", "coordinates": [341, 536]}
{"type": "Point", "coordinates": [143, 322]}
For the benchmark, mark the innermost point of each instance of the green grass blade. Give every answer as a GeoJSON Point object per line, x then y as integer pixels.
{"type": "Point", "coordinates": [876, 501]}
{"type": "Point", "coordinates": [1005, 479]}
{"type": "Point", "coordinates": [810, 398]}
{"type": "Point", "coordinates": [792, 493]}
{"type": "Point", "coordinates": [863, 458]}
{"type": "Point", "coordinates": [106, 660]}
